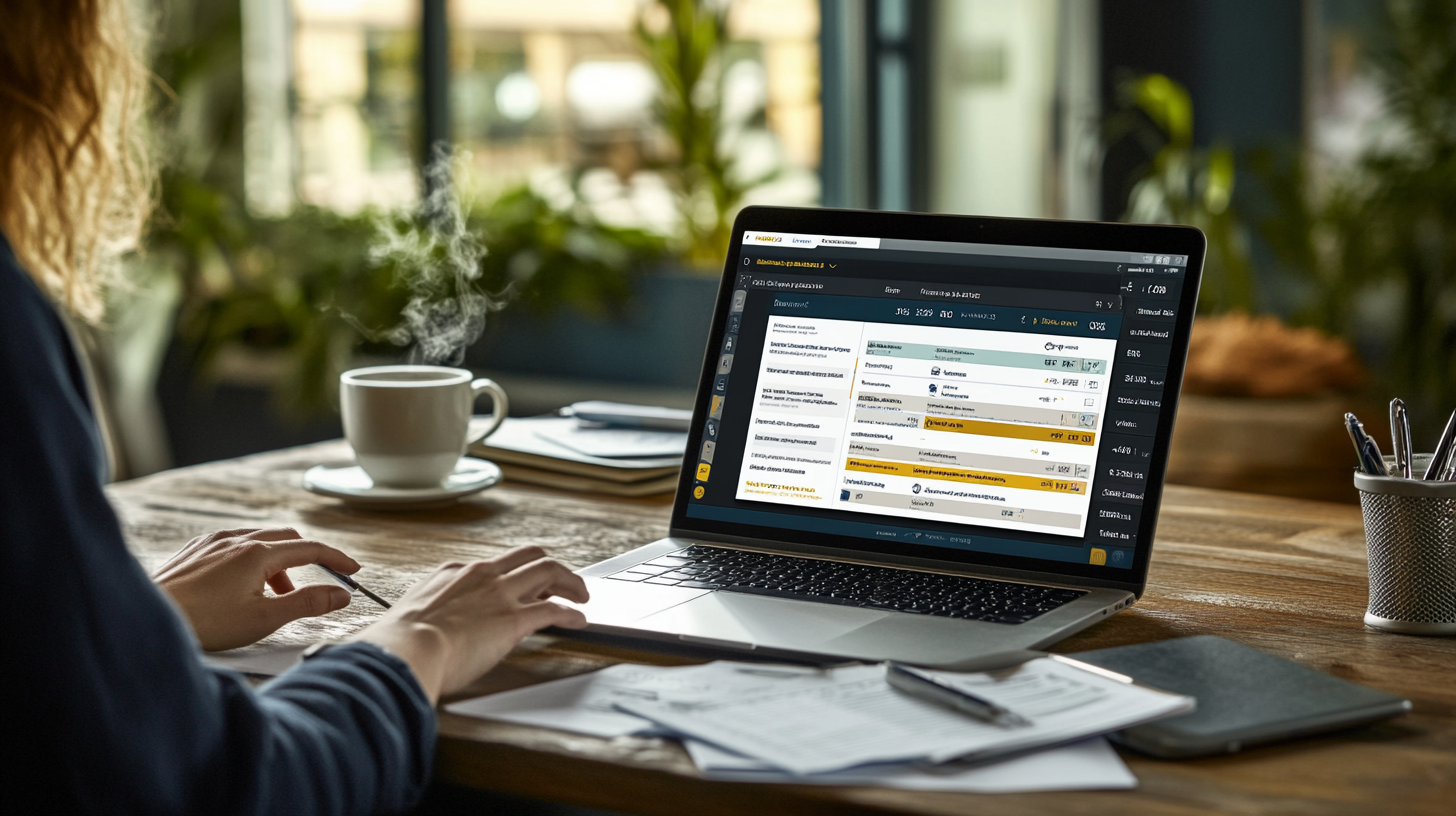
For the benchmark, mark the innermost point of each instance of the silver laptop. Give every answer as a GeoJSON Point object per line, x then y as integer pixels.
{"type": "Point", "coordinates": [923, 438]}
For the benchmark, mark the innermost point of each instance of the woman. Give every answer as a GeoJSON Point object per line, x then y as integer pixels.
{"type": "Point", "coordinates": [109, 708]}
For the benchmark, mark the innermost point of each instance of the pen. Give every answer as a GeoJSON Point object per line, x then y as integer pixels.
{"type": "Point", "coordinates": [1371, 462]}
{"type": "Point", "coordinates": [352, 584]}
{"type": "Point", "coordinates": [925, 687]}
{"type": "Point", "coordinates": [1400, 437]}
{"type": "Point", "coordinates": [1445, 451]}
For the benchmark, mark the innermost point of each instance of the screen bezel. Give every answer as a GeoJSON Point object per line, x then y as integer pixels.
{"type": "Point", "coordinates": [960, 229]}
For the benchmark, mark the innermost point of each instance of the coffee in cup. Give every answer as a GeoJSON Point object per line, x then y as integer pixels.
{"type": "Point", "coordinates": [410, 424]}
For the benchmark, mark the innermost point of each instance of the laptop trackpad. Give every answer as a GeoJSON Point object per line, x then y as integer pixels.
{"type": "Point", "coordinates": [620, 603]}
{"type": "Point", "coordinates": [760, 621]}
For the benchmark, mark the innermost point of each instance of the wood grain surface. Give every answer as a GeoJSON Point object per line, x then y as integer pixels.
{"type": "Point", "coordinates": [1281, 575]}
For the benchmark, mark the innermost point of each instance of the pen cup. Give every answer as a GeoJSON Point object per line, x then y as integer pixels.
{"type": "Point", "coordinates": [1410, 541]}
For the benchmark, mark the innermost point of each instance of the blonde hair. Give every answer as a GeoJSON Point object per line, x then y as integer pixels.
{"type": "Point", "coordinates": [76, 183]}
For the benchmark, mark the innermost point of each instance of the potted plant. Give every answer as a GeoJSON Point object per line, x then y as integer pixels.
{"type": "Point", "coordinates": [656, 336]}
{"type": "Point", "coordinates": [1262, 403]}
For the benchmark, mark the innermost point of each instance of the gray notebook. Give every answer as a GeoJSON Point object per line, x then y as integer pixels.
{"type": "Point", "coordinates": [1245, 697]}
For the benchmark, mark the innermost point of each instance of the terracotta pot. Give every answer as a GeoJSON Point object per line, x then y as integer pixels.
{"type": "Point", "coordinates": [1287, 447]}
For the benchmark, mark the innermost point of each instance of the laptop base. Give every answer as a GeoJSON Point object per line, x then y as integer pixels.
{"type": "Point", "coordinates": [738, 623]}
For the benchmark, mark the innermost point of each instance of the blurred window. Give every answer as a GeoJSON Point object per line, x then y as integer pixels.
{"type": "Point", "coordinates": [1344, 106]}
{"type": "Point", "coordinates": [539, 89]}
{"type": "Point", "coordinates": [1016, 102]}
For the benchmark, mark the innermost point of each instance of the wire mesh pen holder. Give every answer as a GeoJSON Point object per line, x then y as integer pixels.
{"type": "Point", "coordinates": [1410, 539]}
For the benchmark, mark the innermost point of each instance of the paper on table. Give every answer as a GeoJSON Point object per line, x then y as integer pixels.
{"type": "Point", "coordinates": [587, 703]}
{"type": "Point", "coordinates": [526, 441]}
{"type": "Point", "coordinates": [850, 716]}
{"type": "Point", "coordinates": [1087, 765]}
{"type": "Point", "coordinates": [616, 443]}
{"type": "Point", "coordinates": [267, 660]}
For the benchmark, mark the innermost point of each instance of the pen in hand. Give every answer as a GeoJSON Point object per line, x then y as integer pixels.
{"type": "Point", "coordinates": [350, 583]}
{"type": "Point", "coordinates": [926, 687]}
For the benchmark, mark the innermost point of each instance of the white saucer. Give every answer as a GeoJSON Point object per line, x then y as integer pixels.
{"type": "Point", "coordinates": [354, 486]}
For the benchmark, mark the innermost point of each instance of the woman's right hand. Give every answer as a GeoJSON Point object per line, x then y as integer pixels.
{"type": "Point", "coordinates": [459, 622]}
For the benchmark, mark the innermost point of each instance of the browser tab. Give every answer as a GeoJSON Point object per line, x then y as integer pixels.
{"type": "Point", "coordinates": [789, 240]}
{"type": "Point", "coordinates": [843, 241]}
{"type": "Point", "coordinates": [766, 239]}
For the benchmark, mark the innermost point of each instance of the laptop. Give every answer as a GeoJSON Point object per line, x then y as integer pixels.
{"type": "Point", "coordinates": [922, 438]}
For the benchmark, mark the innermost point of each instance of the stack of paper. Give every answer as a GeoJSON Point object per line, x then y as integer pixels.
{"type": "Point", "coordinates": [847, 726]}
{"type": "Point", "coordinates": [566, 453]}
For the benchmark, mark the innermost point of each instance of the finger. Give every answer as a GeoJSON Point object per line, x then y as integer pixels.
{"type": "Point", "coordinates": [281, 582]}
{"type": "Point", "coordinates": [519, 557]}
{"type": "Point", "coordinates": [434, 582]}
{"type": "Point", "coordinates": [537, 616]}
{"type": "Point", "coordinates": [280, 555]}
{"type": "Point", "coordinates": [545, 578]}
{"type": "Point", "coordinates": [219, 535]}
{"type": "Point", "coordinates": [444, 574]}
{"type": "Point", "coordinates": [203, 542]}
{"type": "Point", "coordinates": [308, 602]}
{"type": "Point", "coordinates": [272, 534]}
{"type": "Point", "coordinates": [188, 550]}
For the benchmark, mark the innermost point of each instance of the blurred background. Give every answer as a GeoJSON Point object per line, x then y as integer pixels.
{"type": "Point", "coordinates": [599, 150]}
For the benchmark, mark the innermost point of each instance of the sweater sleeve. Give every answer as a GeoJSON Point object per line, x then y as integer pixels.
{"type": "Point", "coordinates": [110, 708]}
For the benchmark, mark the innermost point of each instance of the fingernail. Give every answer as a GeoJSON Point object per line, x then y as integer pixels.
{"type": "Point", "coordinates": [338, 598]}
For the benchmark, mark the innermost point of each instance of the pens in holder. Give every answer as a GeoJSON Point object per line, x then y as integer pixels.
{"type": "Point", "coordinates": [350, 583]}
{"type": "Point", "coordinates": [1443, 463]}
{"type": "Point", "coordinates": [1400, 437]}
{"type": "Point", "coordinates": [1371, 460]}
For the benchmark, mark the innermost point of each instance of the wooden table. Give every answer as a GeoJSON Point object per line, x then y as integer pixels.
{"type": "Point", "coordinates": [1281, 575]}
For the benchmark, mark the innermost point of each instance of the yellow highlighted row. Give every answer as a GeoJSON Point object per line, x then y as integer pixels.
{"type": "Point", "coordinates": [981, 427]}
{"type": "Point", "coordinates": [946, 474]}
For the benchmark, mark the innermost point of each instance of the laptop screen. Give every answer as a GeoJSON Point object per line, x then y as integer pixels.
{"type": "Point", "coordinates": [945, 397]}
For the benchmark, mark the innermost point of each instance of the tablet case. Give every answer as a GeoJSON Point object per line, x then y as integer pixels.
{"type": "Point", "coordinates": [1245, 697]}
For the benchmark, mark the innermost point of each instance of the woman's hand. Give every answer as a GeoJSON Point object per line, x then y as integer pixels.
{"type": "Point", "coordinates": [460, 621]}
{"type": "Point", "coordinates": [218, 581]}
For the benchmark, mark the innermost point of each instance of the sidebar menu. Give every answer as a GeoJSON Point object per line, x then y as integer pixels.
{"type": "Point", "coordinates": [1134, 400]}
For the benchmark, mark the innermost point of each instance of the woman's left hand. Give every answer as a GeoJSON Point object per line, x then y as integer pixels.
{"type": "Point", "coordinates": [218, 580]}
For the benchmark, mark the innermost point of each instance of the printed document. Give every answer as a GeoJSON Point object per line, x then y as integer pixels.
{"type": "Point", "coordinates": [588, 703]}
{"type": "Point", "coordinates": [802, 720]}
{"type": "Point", "coordinates": [1086, 765]}
{"type": "Point", "coordinates": [851, 716]}
{"type": "Point", "coordinates": [592, 704]}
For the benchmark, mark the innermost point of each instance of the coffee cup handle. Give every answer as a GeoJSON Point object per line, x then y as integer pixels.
{"type": "Point", "coordinates": [499, 406]}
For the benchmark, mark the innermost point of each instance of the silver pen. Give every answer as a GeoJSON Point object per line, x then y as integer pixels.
{"type": "Point", "coordinates": [350, 583]}
{"type": "Point", "coordinates": [1445, 452]}
{"type": "Point", "coordinates": [925, 687]}
{"type": "Point", "coordinates": [1400, 437]}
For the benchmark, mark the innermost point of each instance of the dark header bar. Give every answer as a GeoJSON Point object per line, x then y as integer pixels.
{"type": "Point", "coordinates": [1059, 253]}
{"type": "Point", "coordinates": [955, 315]}
{"type": "Point", "coordinates": [958, 294]}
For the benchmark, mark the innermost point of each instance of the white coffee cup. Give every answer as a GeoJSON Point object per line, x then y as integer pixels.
{"type": "Point", "coordinates": [408, 424]}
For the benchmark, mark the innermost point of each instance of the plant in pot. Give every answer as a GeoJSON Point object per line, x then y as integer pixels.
{"type": "Point", "coordinates": [652, 330]}
{"type": "Point", "coordinates": [1262, 402]}
{"type": "Point", "coordinates": [1373, 242]}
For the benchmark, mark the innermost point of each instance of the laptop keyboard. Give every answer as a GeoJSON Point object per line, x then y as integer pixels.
{"type": "Point", "coordinates": [812, 579]}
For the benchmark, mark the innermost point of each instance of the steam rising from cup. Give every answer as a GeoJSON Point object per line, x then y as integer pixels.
{"type": "Point", "coordinates": [435, 255]}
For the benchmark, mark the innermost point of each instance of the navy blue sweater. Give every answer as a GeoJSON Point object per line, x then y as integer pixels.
{"type": "Point", "coordinates": [107, 706]}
